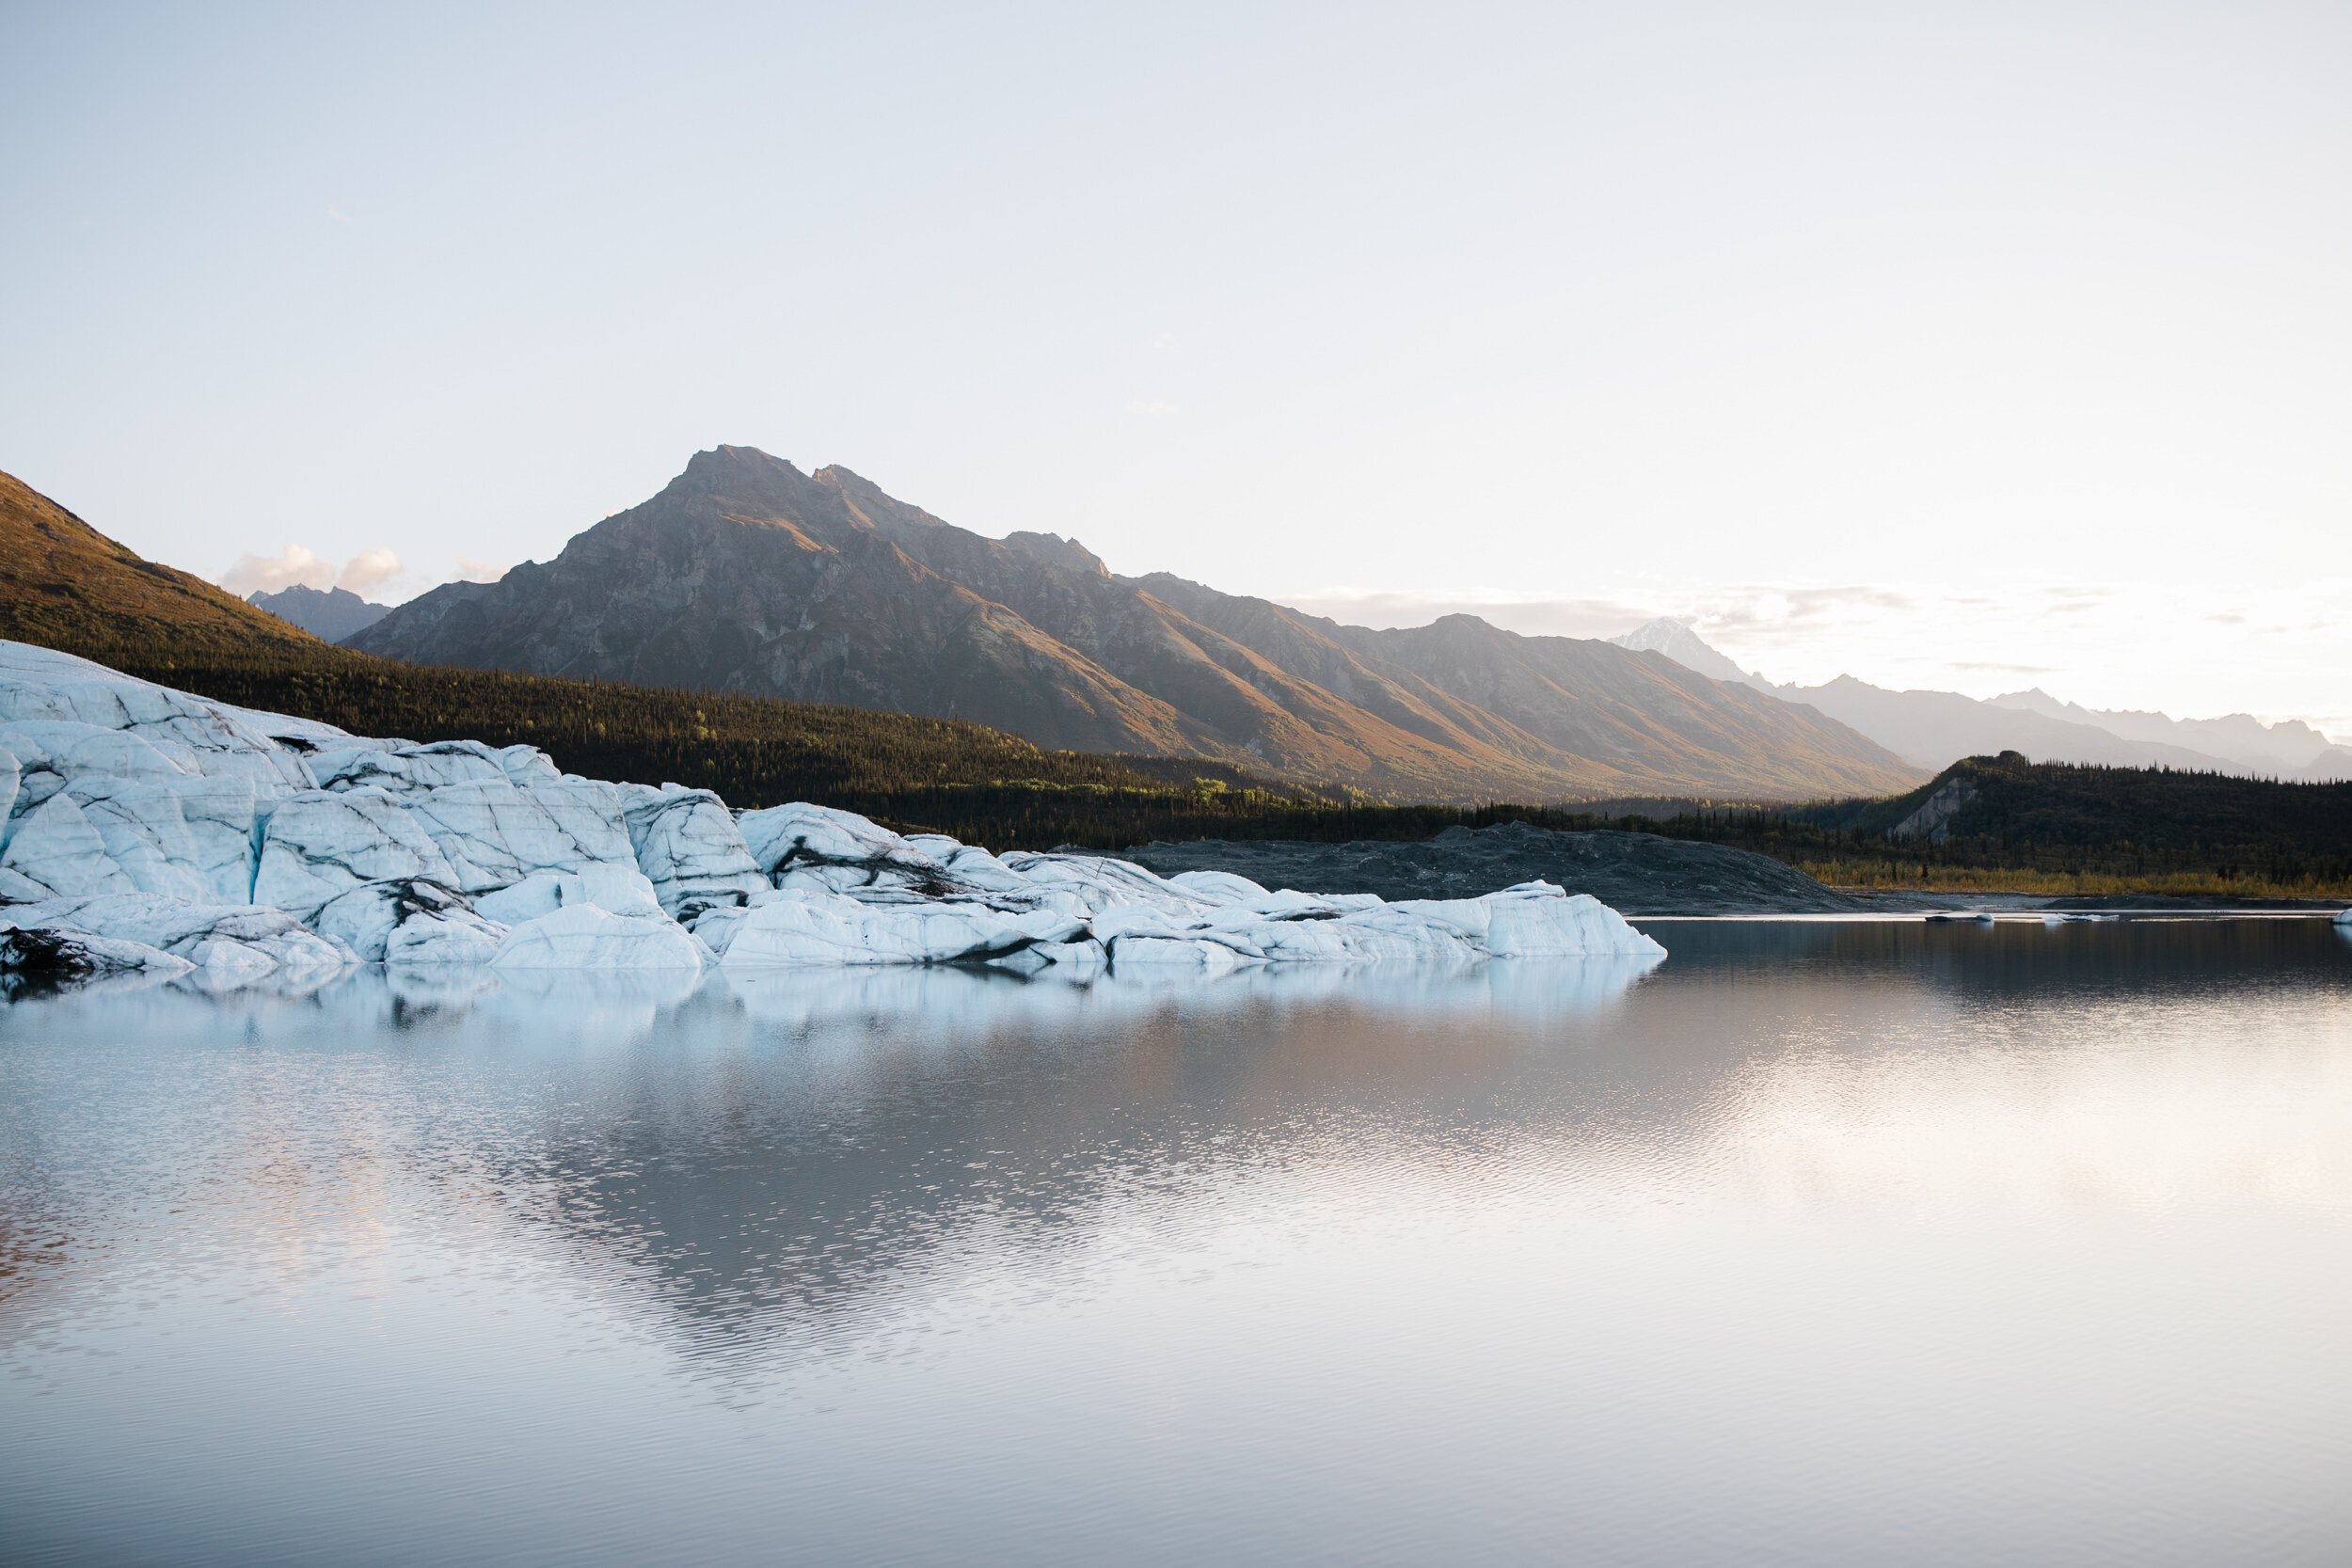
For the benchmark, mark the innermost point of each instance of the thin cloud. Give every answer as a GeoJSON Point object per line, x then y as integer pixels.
{"type": "Point", "coordinates": [368, 571]}
{"type": "Point", "coordinates": [1529, 617]}
{"type": "Point", "coordinates": [271, 573]}
{"type": "Point", "coordinates": [476, 571]}
{"type": "Point", "coordinates": [2135, 645]}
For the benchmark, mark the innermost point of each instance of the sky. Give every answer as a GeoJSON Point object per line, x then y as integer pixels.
{"type": "Point", "coordinates": [1965, 347]}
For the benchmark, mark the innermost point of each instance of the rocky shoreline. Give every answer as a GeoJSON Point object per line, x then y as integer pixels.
{"type": "Point", "coordinates": [1636, 873]}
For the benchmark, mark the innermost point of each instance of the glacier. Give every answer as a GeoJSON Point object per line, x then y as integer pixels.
{"type": "Point", "coordinates": [148, 836]}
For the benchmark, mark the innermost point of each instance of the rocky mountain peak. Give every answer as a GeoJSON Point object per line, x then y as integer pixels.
{"type": "Point", "coordinates": [741, 476]}
{"type": "Point", "coordinates": [1053, 550]}
{"type": "Point", "coordinates": [1460, 624]}
{"type": "Point", "coordinates": [1679, 643]}
{"type": "Point", "coordinates": [329, 616]}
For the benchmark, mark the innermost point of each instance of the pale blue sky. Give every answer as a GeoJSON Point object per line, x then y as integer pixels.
{"type": "Point", "coordinates": [1864, 336]}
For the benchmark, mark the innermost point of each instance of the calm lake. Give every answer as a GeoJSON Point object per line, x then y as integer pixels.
{"type": "Point", "coordinates": [1820, 1242]}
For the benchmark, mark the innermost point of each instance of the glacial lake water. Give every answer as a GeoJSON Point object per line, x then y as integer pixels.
{"type": "Point", "coordinates": [1820, 1242]}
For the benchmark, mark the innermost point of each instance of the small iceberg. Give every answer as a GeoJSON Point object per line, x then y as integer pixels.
{"type": "Point", "coordinates": [147, 832]}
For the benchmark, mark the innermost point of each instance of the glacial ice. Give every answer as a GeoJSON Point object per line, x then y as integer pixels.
{"type": "Point", "coordinates": [689, 847]}
{"type": "Point", "coordinates": [321, 843]}
{"type": "Point", "coordinates": [147, 832]}
{"type": "Point", "coordinates": [229, 945]}
{"type": "Point", "coordinates": [1096, 885]}
{"type": "Point", "coordinates": [57, 953]}
{"type": "Point", "coordinates": [617, 888]}
{"type": "Point", "coordinates": [54, 851]}
{"type": "Point", "coordinates": [823, 836]}
{"type": "Point", "coordinates": [211, 739]}
{"type": "Point", "coordinates": [169, 833]}
{"type": "Point", "coordinates": [409, 920]}
{"type": "Point", "coordinates": [494, 834]}
{"type": "Point", "coordinates": [399, 769]}
{"type": "Point", "coordinates": [795, 926]}
{"type": "Point", "coordinates": [581, 936]}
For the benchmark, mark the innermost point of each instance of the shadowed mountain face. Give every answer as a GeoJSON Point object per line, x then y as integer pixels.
{"type": "Point", "coordinates": [745, 574]}
{"type": "Point", "coordinates": [332, 615]}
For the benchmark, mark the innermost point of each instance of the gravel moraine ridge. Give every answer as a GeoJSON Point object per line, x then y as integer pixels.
{"type": "Point", "coordinates": [1635, 874]}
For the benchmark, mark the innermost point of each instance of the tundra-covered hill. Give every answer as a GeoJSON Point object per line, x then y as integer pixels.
{"type": "Point", "coordinates": [63, 584]}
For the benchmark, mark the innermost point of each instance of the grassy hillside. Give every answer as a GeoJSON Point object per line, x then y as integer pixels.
{"type": "Point", "coordinates": [63, 584]}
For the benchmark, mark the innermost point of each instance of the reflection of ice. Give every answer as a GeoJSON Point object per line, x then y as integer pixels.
{"type": "Point", "coordinates": [953, 1003]}
{"type": "Point", "coordinates": [754, 1160]}
{"type": "Point", "coordinates": [540, 1010]}
{"type": "Point", "coordinates": [601, 999]}
{"type": "Point", "coordinates": [544, 1009]}
{"type": "Point", "coordinates": [14, 987]}
{"type": "Point", "coordinates": [758, 1167]}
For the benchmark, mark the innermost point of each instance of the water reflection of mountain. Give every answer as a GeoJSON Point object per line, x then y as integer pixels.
{"type": "Point", "coordinates": [867, 1144]}
{"type": "Point", "coordinates": [801, 1152]}
{"type": "Point", "coordinates": [754, 1166]}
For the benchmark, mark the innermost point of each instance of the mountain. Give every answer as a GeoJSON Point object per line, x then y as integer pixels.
{"type": "Point", "coordinates": [746, 575]}
{"type": "Point", "coordinates": [1923, 725]}
{"type": "Point", "coordinates": [1681, 645]}
{"type": "Point", "coordinates": [2334, 763]}
{"type": "Point", "coordinates": [63, 584]}
{"type": "Point", "coordinates": [1932, 728]}
{"type": "Point", "coordinates": [330, 616]}
{"type": "Point", "coordinates": [2285, 749]}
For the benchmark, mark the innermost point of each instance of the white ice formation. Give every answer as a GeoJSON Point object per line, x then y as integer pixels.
{"type": "Point", "coordinates": [147, 832]}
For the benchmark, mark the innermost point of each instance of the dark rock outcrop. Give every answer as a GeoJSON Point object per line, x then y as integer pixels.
{"type": "Point", "coordinates": [1635, 874]}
